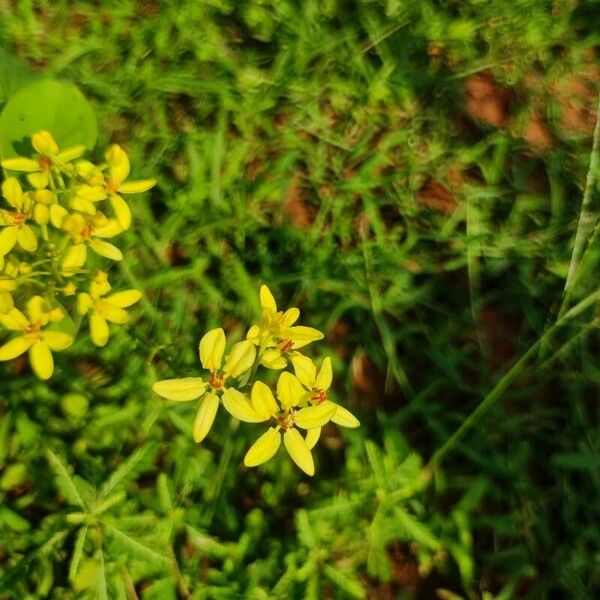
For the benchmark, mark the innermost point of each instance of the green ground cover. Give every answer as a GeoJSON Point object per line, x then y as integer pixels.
{"type": "Point", "coordinates": [411, 176]}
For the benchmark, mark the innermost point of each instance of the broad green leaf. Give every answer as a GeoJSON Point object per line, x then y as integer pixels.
{"type": "Point", "coordinates": [14, 74]}
{"type": "Point", "coordinates": [57, 107]}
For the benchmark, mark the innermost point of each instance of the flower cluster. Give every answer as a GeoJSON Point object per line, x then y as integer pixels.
{"type": "Point", "coordinates": [59, 212]}
{"type": "Point", "coordinates": [297, 408]}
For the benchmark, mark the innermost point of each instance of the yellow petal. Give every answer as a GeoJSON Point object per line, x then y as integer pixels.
{"type": "Point", "coordinates": [121, 210]}
{"type": "Point", "coordinates": [254, 334]}
{"type": "Point", "coordinates": [266, 299]}
{"type": "Point", "coordinates": [344, 417]}
{"type": "Point", "coordinates": [84, 303]}
{"type": "Point", "coordinates": [99, 284]}
{"type": "Point", "coordinates": [105, 249]}
{"type": "Point", "coordinates": [14, 320]}
{"type": "Point", "coordinates": [305, 370]}
{"type": "Point", "coordinates": [57, 340]}
{"type": "Point", "coordinates": [263, 400]}
{"type": "Point", "coordinates": [240, 359]}
{"type": "Point", "coordinates": [315, 416]}
{"type": "Point", "coordinates": [27, 239]}
{"type": "Point", "coordinates": [41, 360]}
{"type": "Point", "coordinates": [47, 197]}
{"type": "Point", "coordinates": [70, 154]}
{"type": "Point", "coordinates": [312, 437]}
{"type": "Point", "coordinates": [19, 163]}
{"type": "Point", "coordinates": [237, 405]}
{"type": "Point", "coordinates": [211, 348]}
{"type": "Point", "coordinates": [273, 359]}
{"type": "Point", "coordinates": [111, 313]}
{"type": "Point", "coordinates": [263, 449]}
{"type": "Point", "coordinates": [137, 187]}
{"type": "Point", "coordinates": [180, 390]}
{"type": "Point", "coordinates": [7, 284]}
{"type": "Point", "coordinates": [124, 299]}
{"type": "Point", "coordinates": [44, 143]}
{"type": "Point", "coordinates": [6, 303]}
{"type": "Point", "coordinates": [11, 190]}
{"type": "Point", "coordinates": [298, 450]}
{"type": "Point", "coordinates": [205, 417]}
{"type": "Point", "coordinates": [325, 375]}
{"type": "Point", "coordinates": [106, 228]}
{"type": "Point", "coordinates": [58, 215]}
{"type": "Point", "coordinates": [37, 309]}
{"type": "Point", "coordinates": [118, 163]}
{"type": "Point", "coordinates": [93, 193]}
{"type": "Point", "coordinates": [41, 214]}
{"type": "Point", "coordinates": [8, 238]}
{"type": "Point", "coordinates": [74, 257]}
{"type": "Point", "coordinates": [301, 336]}
{"type": "Point", "coordinates": [98, 330]}
{"type": "Point", "coordinates": [289, 390]}
{"type": "Point", "coordinates": [14, 348]}
{"type": "Point", "coordinates": [290, 316]}
{"type": "Point", "coordinates": [39, 180]}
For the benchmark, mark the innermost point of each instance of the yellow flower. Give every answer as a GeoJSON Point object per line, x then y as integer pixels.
{"type": "Point", "coordinates": [105, 309]}
{"type": "Point", "coordinates": [15, 228]}
{"type": "Point", "coordinates": [318, 384]}
{"type": "Point", "coordinates": [264, 407]}
{"type": "Point", "coordinates": [277, 332]}
{"type": "Point", "coordinates": [33, 338]}
{"type": "Point", "coordinates": [89, 231]}
{"type": "Point", "coordinates": [48, 155]}
{"type": "Point", "coordinates": [115, 184]}
{"type": "Point", "coordinates": [211, 349]}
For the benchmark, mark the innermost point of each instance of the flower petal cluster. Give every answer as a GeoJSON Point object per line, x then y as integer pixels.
{"type": "Point", "coordinates": [59, 215]}
{"type": "Point", "coordinates": [295, 412]}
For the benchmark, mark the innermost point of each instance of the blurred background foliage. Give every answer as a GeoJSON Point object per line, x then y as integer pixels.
{"type": "Point", "coordinates": [410, 175]}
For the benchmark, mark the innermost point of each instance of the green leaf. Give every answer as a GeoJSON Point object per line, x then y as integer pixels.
{"type": "Point", "coordinates": [58, 107]}
{"type": "Point", "coordinates": [415, 530]}
{"type": "Point", "coordinates": [345, 582]}
{"type": "Point", "coordinates": [77, 552]}
{"type": "Point", "coordinates": [130, 469]}
{"type": "Point", "coordinates": [14, 74]}
{"type": "Point", "coordinates": [64, 481]}
{"type": "Point", "coordinates": [135, 549]}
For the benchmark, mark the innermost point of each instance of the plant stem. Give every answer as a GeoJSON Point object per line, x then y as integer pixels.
{"type": "Point", "coordinates": [586, 216]}
{"type": "Point", "coordinates": [507, 379]}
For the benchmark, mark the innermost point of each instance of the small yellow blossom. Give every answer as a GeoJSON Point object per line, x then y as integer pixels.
{"type": "Point", "coordinates": [211, 350]}
{"type": "Point", "coordinates": [317, 384]}
{"type": "Point", "coordinates": [89, 231]}
{"type": "Point", "coordinates": [16, 230]}
{"type": "Point", "coordinates": [287, 416]}
{"type": "Point", "coordinates": [48, 156]}
{"type": "Point", "coordinates": [33, 338]}
{"type": "Point", "coordinates": [277, 332]}
{"type": "Point", "coordinates": [105, 309]}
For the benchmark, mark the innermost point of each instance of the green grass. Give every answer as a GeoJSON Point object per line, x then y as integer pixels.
{"type": "Point", "coordinates": [292, 144]}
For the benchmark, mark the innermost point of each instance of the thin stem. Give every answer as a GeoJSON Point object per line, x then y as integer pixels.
{"type": "Point", "coordinates": [586, 216]}
{"type": "Point", "coordinates": [508, 378]}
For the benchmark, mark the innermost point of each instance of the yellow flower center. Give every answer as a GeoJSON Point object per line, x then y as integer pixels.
{"type": "Point", "coordinates": [17, 219]}
{"type": "Point", "coordinates": [87, 231]}
{"type": "Point", "coordinates": [216, 380]}
{"type": "Point", "coordinates": [111, 185]}
{"type": "Point", "coordinates": [318, 396]}
{"type": "Point", "coordinates": [286, 420]}
{"type": "Point", "coordinates": [285, 344]}
{"type": "Point", "coordinates": [33, 332]}
{"type": "Point", "coordinates": [45, 163]}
